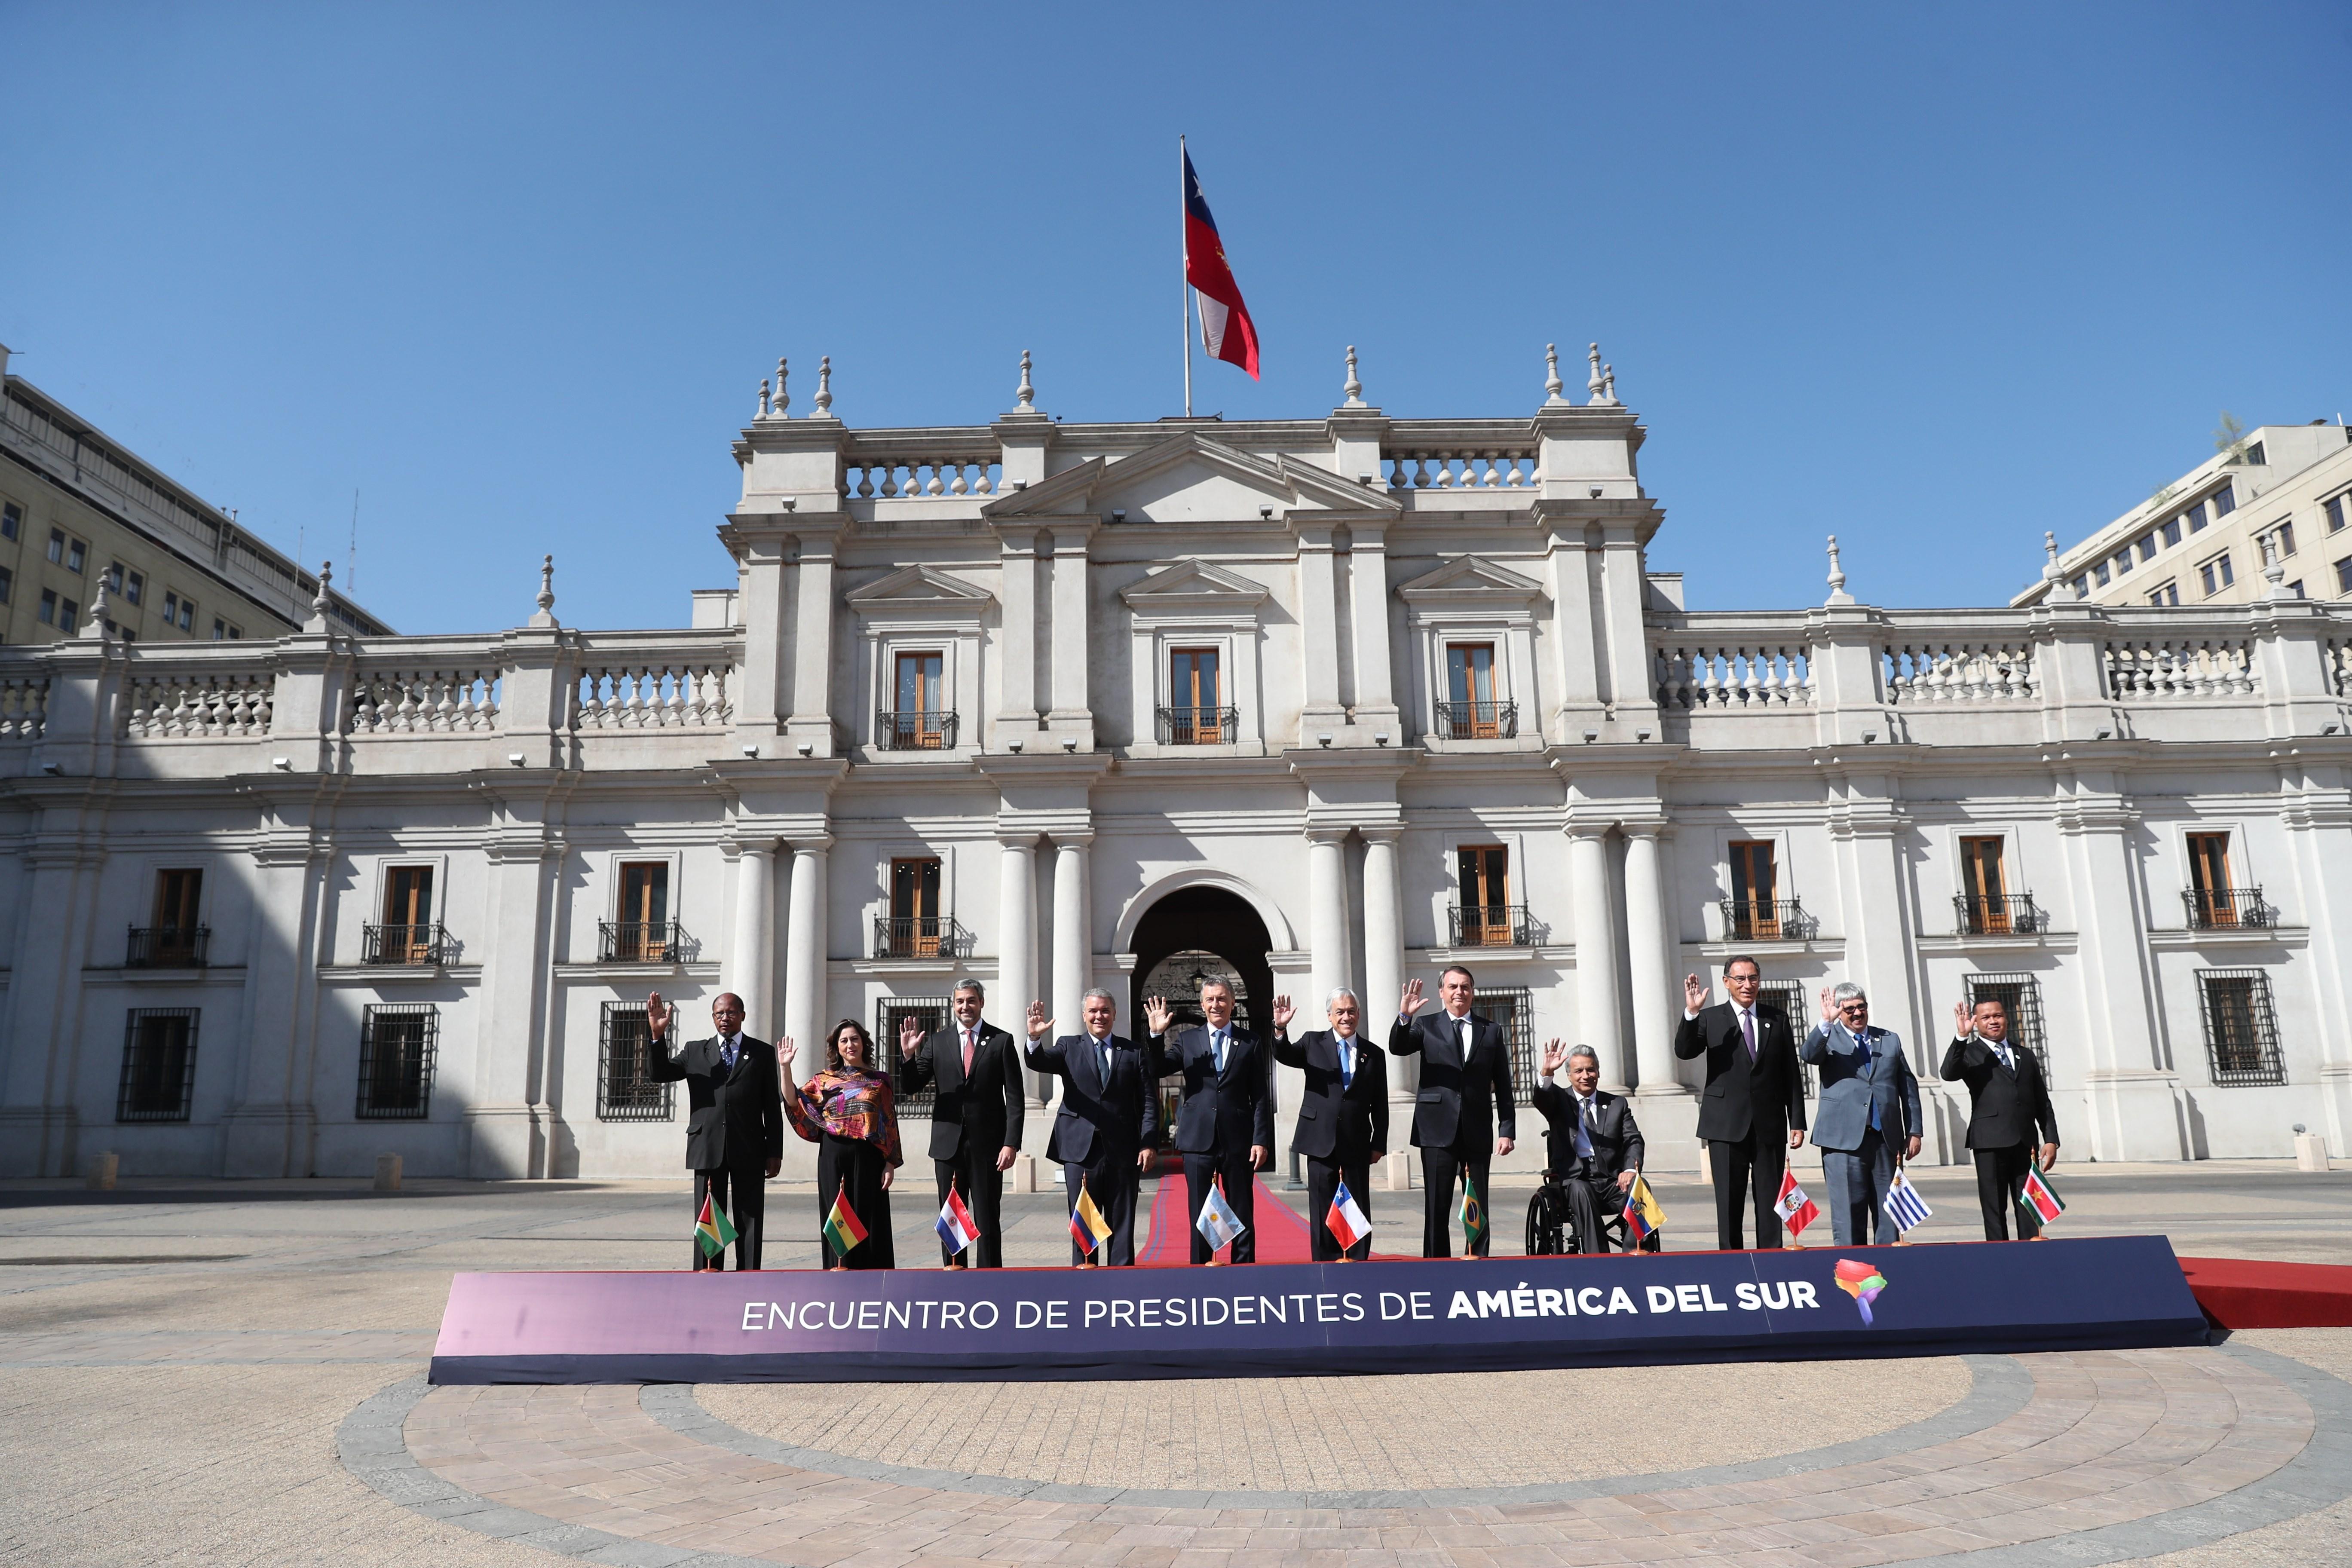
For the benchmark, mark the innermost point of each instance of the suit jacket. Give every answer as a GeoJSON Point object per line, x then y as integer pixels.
{"type": "Point", "coordinates": [1852, 1086]}
{"type": "Point", "coordinates": [734, 1120]}
{"type": "Point", "coordinates": [1616, 1139]}
{"type": "Point", "coordinates": [2005, 1110]}
{"type": "Point", "coordinates": [1337, 1119]}
{"type": "Point", "coordinates": [985, 1108]}
{"type": "Point", "coordinates": [1099, 1123]}
{"type": "Point", "coordinates": [1461, 1100]}
{"type": "Point", "coordinates": [1224, 1113]}
{"type": "Point", "coordinates": [1765, 1098]}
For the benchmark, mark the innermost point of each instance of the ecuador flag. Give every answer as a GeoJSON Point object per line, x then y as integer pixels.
{"type": "Point", "coordinates": [1643, 1217]}
{"type": "Point", "coordinates": [711, 1229]}
{"type": "Point", "coordinates": [842, 1228]}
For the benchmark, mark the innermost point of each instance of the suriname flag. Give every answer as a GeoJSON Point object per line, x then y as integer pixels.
{"type": "Point", "coordinates": [841, 1225]}
{"type": "Point", "coordinates": [711, 1230]}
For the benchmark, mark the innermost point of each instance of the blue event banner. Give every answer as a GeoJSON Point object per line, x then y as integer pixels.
{"type": "Point", "coordinates": [1289, 1320]}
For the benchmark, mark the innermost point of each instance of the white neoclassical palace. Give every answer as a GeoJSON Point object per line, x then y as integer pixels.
{"type": "Point", "coordinates": [1315, 702]}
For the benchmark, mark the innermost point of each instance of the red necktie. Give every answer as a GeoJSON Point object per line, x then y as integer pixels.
{"type": "Point", "coordinates": [967, 1053]}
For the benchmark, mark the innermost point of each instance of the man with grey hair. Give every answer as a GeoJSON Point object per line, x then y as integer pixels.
{"type": "Point", "coordinates": [1868, 1110]}
{"type": "Point", "coordinates": [1594, 1148]}
{"type": "Point", "coordinates": [975, 1116]}
{"type": "Point", "coordinates": [1343, 1114]}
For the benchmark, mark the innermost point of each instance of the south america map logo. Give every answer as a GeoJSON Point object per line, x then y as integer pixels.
{"type": "Point", "coordinates": [1863, 1281]}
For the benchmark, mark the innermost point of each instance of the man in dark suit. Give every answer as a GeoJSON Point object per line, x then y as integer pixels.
{"type": "Point", "coordinates": [1108, 1123]}
{"type": "Point", "coordinates": [1754, 1094]}
{"type": "Point", "coordinates": [1224, 1125]}
{"type": "Point", "coordinates": [975, 1116]}
{"type": "Point", "coordinates": [2008, 1110]}
{"type": "Point", "coordinates": [1466, 1093]}
{"type": "Point", "coordinates": [1594, 1149]}
{"type": "Point", "coordinates": [735, 1117]}
{"type": "Point", "coordinates": [1343, 1114]}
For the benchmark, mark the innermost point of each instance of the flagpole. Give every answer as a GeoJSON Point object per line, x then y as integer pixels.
{"type": "Point", "coordinates": [1184, 285]}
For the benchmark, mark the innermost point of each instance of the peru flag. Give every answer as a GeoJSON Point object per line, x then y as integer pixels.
{"type": "Point", "coordinates": [1225, 326]}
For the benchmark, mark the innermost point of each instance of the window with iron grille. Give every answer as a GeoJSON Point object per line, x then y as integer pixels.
{"type": "Point", "coordinates": [2021, 996]}
{"type": "Point", "coordinates": [159, 1065]}
{"type": "Point", "coordinates": [397, 1041]}
{"type": "Point", "coordinates": [1789, 995]}
{"type": "Point", "coordinates": [624, 1048]}
{"type": "Point", "coordinates": [1514, 1009]}
{"type": "Point", "coordinates": [2241, 1043]}
{"type": "Point", "coordinates": [932, 1013]}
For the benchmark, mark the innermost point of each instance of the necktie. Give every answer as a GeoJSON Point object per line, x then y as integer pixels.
{"type": "Point", "coordinates": [967, 1053]}
{"type": "Point", "coordinates": [727, 1052]}
{"type": "Point", "coordinates": [1347, 1064]}
{"type": "Point", "coordinates": [1217, 1045]}
{"type": "Point", "coordinates": [1584, 1129]}
{"type": "Point", "coordinates": [1747, 1031]}
{"type": "Point", "coordinates": [1102, 1056]}
{"type": "Point", "coordinates": [2007, 1066]}
{"type": "Point", "coordinates": [1462, 1031]}
{"type": "Point", "coordinates": [1862, 1040]}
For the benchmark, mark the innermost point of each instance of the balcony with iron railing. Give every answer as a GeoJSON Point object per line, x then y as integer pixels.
{"type": "Point", "coordinates": [638, 941]}
{"type": "Point", "coordinates": [1477, 721]}
{"type": "Point", "coordinates": [1768, 920]}
{"type": "Point", "coordinates": [1490, 925]}
{"type": "Point", "coordinates": [919, 936]}
{"type": "Point", "coordinates": [1199, 726]}
{"type": "Point", "coordinates": [914, 730]}
{"type": "Point", "coordinates": [407, 944]}
{"type": "Point", "coordinates": [2226, 909]}
{"type": "Point", "coordinates": [168, 947]}
{"type": "Point", "coordinates": [2003, 914]}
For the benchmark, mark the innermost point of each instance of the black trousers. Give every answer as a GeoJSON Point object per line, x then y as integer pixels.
{"type": "Point", "coordinates": [1757, 1163]}
{"type": "Point", "coordinates": [1590, 1201]}
{"type": "Point", "coordinates": [1442, 1171]}
{"type": "Point", "coordinates": [973, 1174]}
{"type": "Point", "coordinates": [1240, 1192]}
{"type": "Point", "coordinates": [1111, 1183]}
{"type": "Point", "coordinates": [2000, 1173]}
{"type": "Point", "coordinates": [1323, 1178]}
{"type": "Point", "coordinates": [852, 1168]}
{"type": "Point", "coordinates": [742, 1194]}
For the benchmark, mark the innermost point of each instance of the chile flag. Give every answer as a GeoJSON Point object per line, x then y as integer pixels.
{"type": "Point", "coordinates": [1225, 326]}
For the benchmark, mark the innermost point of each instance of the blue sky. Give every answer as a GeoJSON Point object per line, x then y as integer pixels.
{"type": "Point", "coordinates": [1933, 279]}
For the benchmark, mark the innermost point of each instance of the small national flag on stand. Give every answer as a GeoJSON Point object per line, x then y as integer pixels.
{"type": "Point", "coordinates": [1795, 1209]}
{"type": "Point", "coordinates": [955, 1227]}
{"type": "Point", "coordinates": [1473, 1215]}
{"type": "Point", "coordinates": [1088, 1227]}
{"type": "Point", "coordinates": [2039, 1196]}
{"type": "Point", "coordinates": [1218, 1221]}
{"type": "Point", "coordinates": [1905, 1207]}
{"type": "Point", "coordinates": [1643, 1217]}
{"type": "Point", "coordinates": [842, 1228]}
{"type": "Point", "coordinates": [1345, 1221]}
{"type": "Point", "coordinates": [712, 1230]}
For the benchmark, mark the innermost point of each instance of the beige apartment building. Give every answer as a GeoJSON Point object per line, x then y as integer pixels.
{"type": "Point", "coordinates": [77, 509]}
{"type": "Point", "coordinates": [2278, 498]}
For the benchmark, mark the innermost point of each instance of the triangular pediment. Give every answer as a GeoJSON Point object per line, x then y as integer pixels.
{"type": "Point", "coordinates": [915, 586]}
{"type": "Point", "coordinates": [1472, 576]}
{"type": "Point", "coordinates": [1193, 581]}
{"type": "Point", "coordinates": [1193, 477]}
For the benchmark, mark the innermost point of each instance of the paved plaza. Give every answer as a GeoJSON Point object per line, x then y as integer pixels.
{"type": "Point", "coordinates": [232, 1372]}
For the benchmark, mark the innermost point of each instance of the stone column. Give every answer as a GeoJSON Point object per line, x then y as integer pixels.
{"type": "Point", "coordinates": [506, 1116]}
{"type": "Point", "coordinates": [1598, 1024]}
{"type": "Point", "coordinates": [1016, 705]}
{"type": "Point", "coordinates": [1073, 949]}
{"type": "Point", "coordinates": [804, 955]}
{"type": "Point", "coordinates": [811, 724]}
{"type": "Point", "coordinates": [1072, 717]}
{"type": "Point", "coordinates": [1319, 639]}
{"type": "Point", "coordinates": [1367, 585]}
{"type": "Point", "coordinates": [1650, 960]}
{"type": "Point", "coordinates": [1017, 948]}
{"type": "Point", "coordinates": [1327, 883]}
{"type": "Point", "coordinates": [2130, 1094]}
{"type": "Point", "coordinates": [267, 1132]}
{"type": "Point", "coordinates": [750, 961]}
{"type": "Point", "coordinates": [37, 1058]}
{"type": "Point", "coordinates": [1383, 982]}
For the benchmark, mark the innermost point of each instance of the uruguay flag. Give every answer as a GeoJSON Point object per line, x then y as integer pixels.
{"type": "Point", "coordinates": [1347, 1221]}
{"type": "Point", "coordinates": [1906, 1209]}
{"type": "Point", "coordinates": [955, 1227]}
{"type": "Point", "coordinates": [1225, 326]}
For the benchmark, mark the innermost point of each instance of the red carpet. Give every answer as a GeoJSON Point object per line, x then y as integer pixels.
{"type": "Point", "coordinates": [1281, 1233]}
{"type": "Point", "coordinates": [2249, 1293]}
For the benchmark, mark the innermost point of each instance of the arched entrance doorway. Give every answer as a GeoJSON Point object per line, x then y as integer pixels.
{"type": "Point", "coordinates": [1188, 936]}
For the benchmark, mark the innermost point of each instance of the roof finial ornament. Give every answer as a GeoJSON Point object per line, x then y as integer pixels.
{"type": "Point", "coordinates": [1609, 385]}
{"type": "Point", "coordinates": [546, 616]}
{"type": "Point", "coordinates": [1552, 383]}
{"type": "Point", "coordinates": [1593, 384]}
{"type": "Point", "coordinates": [98, 606]}
{"type": "Point", "coordinates": [1028, 395]}
{"type": "Point", "coordinates": [2274, 570]}
{"type": "Point", "coordinates": [823, 388]}
{"type": "Point", "coordinates": [1355, 388]}
{"type": "Point", "coordinates": [2050, 571]}
{"type": "Point", "coordinates": [1837, 595]}
{"type": "Point", "coordinates": [321, 601]}
{"type": "Point", "coordinates": [783, 399]}
{"type": "Point", "coordinates": [763, 398]}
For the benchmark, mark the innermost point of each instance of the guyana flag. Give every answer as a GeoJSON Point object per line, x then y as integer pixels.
{"type": "Point", "coordinates": [711, 1230]}
{"type": "Point", "coordinates": [841, 1225]}
{"type": "Point", "coordinates": [1474, 1214]}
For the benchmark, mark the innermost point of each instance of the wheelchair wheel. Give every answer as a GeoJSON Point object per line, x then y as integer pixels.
{"type": "Point", "coordinates": [1547, 1222]}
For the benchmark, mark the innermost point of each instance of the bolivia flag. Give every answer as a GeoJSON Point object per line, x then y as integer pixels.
{"type": "Point", "coordinates": [1225, 325]}
{"type": "Point", "coordinates": [1088, 1227]}
{"type": "Point", "coordinates": [1346, 1222]}
{"type": "Point", "coordinates": [1643, 1217]}
{"type": "Point", "coordinates": [712, 1230]}
{"type": "Point", "coordinates": [1474, 1214]}
{"type": "Point", "coordinates": [955, 1227]}
{"type": "Point", "coordinates": [1795, 1209]}
{"type": "Point", "coordinates": [2038, 1196]}
{"type": "Point", "coordinates": [841, 1226]}
{"type": "Point", "coordinates": [1863, 1281]}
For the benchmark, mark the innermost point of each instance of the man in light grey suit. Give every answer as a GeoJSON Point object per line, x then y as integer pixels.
{"type": "Point", "coordinates": [1869, 1108]}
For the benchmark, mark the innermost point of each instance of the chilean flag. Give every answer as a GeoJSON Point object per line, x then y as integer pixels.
{"type": "Point", "coordinates": [1226, 329]}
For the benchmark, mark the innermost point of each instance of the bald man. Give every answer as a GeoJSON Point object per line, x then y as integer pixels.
{"type": "Point", "coordinates": [735, 1117]}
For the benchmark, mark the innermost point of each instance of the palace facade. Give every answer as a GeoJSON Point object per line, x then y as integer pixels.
{"type": "Point", "coordinates": [1310, 703]}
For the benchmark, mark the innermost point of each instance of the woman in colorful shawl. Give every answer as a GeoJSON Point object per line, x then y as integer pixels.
{"type": "Point", "coordinates": [847, 1112]}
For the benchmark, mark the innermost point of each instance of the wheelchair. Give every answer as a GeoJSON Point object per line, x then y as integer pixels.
{"type": "Point", "coordinates": [1551, 1231]}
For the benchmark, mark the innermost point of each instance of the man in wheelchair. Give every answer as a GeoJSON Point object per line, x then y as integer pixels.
{"type": "Point", "coordinates": [1591, 1156]}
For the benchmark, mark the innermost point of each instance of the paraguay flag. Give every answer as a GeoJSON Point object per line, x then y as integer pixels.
{"type": "Point", "coordinates": [1225, 326]}
{"type": "Point", "coordinates": [1345, 1221]}
{"type": "Point", "coordinates": [842, 1228]}
{"type": "Point", "coordinates": [1218, 1221]}
{"type": "Point", "coordinates": [2038, 1196]}
{"type": "Point", "coordinates": [955, 1227]}
{"type": "Point", "coordinates": [711, 1230]}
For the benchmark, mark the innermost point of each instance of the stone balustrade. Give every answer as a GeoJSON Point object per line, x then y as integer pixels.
{"type": "Point", "coordinates": [1719, 676]}
{"type": "Point", "coordinates": [1482, 468]}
